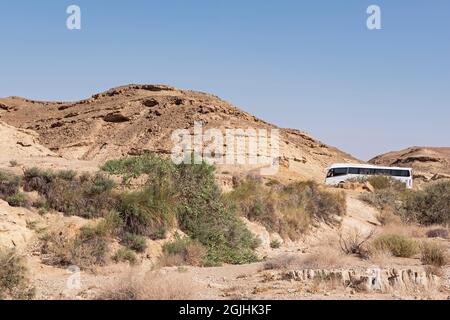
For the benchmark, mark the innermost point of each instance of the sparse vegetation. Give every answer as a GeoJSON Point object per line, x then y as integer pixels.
{"type": "Point", "coordinates": [397, 245]}
{"type": "Point", "coordinates": [89, 247]}
{"type": "Point", "coordinates": [125, 254]}
{"type": "Point", "coordinates": [134, 242]}
{"type": "Point", "coordinates": [14, 163]}
{"type": "Point", "coordinates": [10, 190]}
{"type": "Point", "coordinates": [288, 210]}
{"type": "Point", "coordinates": [183, 251]}
{"type": "Point", "coordinates": [275, 244]}
{"type": "Point", "coordinates": [354, 243]}
{"type": "Point", "coordinates": [384, 182]}
{"type": "Point", "coordinates": [85, 196]}
{"type": "Point", "coordinates": [433, 254]}
{"type": "Point", "coordinates": [150, 287]}
{"type": "Point", "coordinates": [19, 199]}
{"type": "Point", "coordinates": [429, 206]}
{"type": "Point", "coordinates": [13, 279]}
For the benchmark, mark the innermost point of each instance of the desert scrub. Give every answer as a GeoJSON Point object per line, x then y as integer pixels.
{"type": "Point", "coordinates": [384, 182]}
{"type": "Point", "coordinates": [89, 247]}
{"type": "Point", "coordinates": [275, 244]}
{"type": "Point", "coordinates": [14, 283]}
{"type": "Point", "coordinates": [125, 255]}
{"type": "Point", "coordinates": [187, 195]}
{"type": "Point", "coordinates": [433, 254]}
{"type": "Point", "coordinates": [19, 199]}
{"type": "Point", "coordinates": [203, 216]}
{"type": "Point", "coordinates": [9, 184]}
{"type": "Point", "coordinates": [134, 242]}
{"type": "Point", "coordinates": [288, 210]}
{"type": "Point", "coordinates": [148, 212]}
{"type": "Point", "coordinates": [183, 251]}
{"type": "Point", "coordinates": [151, 165]}
{"type": "Point", "coordinates": [85, 196]}
{"type": "Point", "coordinates": [429, 206]}
{"type": "Point", "coordinates": [397, 245]}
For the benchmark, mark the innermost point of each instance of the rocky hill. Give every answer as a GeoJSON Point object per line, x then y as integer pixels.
{"type": "Point", "coordinates": [133, 119]}
{"type": "Point", "coordinates": [429, 163]}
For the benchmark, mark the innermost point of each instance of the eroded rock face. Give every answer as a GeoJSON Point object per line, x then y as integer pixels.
{"type": "Point", "coordinates": [429, 163]}
{"type": "Point", "coordinates": [372, 279]}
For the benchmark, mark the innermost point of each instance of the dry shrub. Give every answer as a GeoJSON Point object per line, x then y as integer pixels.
{"type": "Point", "coordinates": [326, 257]}
{"type": "Point", "coordinates": [433, 254]}
{"type": "Point", "coordinates": [379, 257]}
{"type": "Point", "coordinates": [287, 210]}
{"type": "Point", "coordinates": [397, 245]}
{"type": "Point", "coordinates": [283, 262]}
{"type": "Point", "coordinates": [150, 287]}
{"type": "Point", "coordinates": [14, 283]}
{"type": "Point", "coordinates": [354, 243]}
{"type": "Point", "coordinates": [88, 248]}
{"type": "Point", "coordinates": [183, 251]}
{"type": "Point", "coordinates": [125, 254]}
{"type": "Point", "coordinates": [435, 271]}
{"type": "Point", "coordinates": [9, 184]}
{"type": "Point", "coordinates": [438, 233]}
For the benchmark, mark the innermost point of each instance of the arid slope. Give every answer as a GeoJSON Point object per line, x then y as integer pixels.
{"type": "Point", "coordinates": [428, 162]}
{"type": "Point", "coordinates": [133, 119]}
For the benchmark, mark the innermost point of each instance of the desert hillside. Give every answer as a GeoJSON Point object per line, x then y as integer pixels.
{"type": "Point", "coordinates": [132, 119]}
{"type": "Point", "coordinates": [429, 163]}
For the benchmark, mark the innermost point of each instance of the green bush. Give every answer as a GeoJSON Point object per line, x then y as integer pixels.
{"type": "Point", "coordinates": [154, 166]}
{"type": "Point", "coordinates": [89, 198]}
{"type": "Point", "coordinates": [13, 281]}
{"type": "Point", "coordinates": [433, 254]}
{"type": "Point", "coordinates": [148, 212]}
{"type": "Point", "coordinates": [19, 199]}
{"type": "Point", "coordinates": [134, 242]}
{"type": "Point", "coordinates": [430, 206]}
{"type": "Point", "coordinates": [397, 245]}
{"type": "Point", "coordinates": [125, 254]}
{"type": "Point", "coordinates": [186, 193]}
{"type": "Point", "coordinates": [204, 217]}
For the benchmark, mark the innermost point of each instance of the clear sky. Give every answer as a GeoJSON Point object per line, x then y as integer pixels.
{"type": "Point", "coordinates": [311, 65]}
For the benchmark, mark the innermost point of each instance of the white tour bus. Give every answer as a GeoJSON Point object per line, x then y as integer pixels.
{"type": "Point", "coordinates": [338, 173]}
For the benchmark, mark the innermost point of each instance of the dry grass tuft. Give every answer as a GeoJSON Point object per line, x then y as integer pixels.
{"type": "Point", "coordinates": [150, 287]}
{"type": "Point", "coordinates": [433, 254]}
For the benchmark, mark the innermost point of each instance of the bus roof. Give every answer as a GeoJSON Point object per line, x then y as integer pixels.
{"type": "Point", "coordinates": [364, 166]}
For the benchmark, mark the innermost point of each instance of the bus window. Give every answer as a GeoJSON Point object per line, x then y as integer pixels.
{"type": "Point", "coordinates": [353, 171]}
{"type": "Point", "coordinates": [400, 173]}
{"type": "Point", "coordinates": [338, 172]}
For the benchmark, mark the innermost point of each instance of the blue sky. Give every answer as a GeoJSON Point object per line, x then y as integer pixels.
{"type": "Point", "coordinates": [311, 65]}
